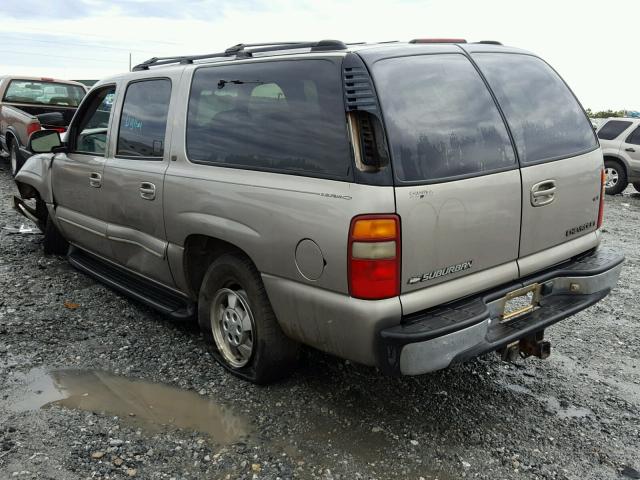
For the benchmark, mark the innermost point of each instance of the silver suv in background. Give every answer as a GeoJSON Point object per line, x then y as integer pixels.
{"type": "Point", "coordinates": [620, 143]}
{"type": "Point", "coordinates": [407, 205]}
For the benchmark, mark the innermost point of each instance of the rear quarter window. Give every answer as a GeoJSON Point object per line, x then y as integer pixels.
{"type": "Point", "coordinates": [545, 118]}
{"type": "Point", "coordinates": [612, 129]}
{"type": "Point", "coordinates": [284, 116]}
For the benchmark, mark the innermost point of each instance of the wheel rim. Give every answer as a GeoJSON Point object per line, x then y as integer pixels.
{"type": "Point", "coordinates": [232, 326]}
{"type": "Point", "coordinates": [612, 177]}
{"type": "Point", "coordinates": [14, 160]}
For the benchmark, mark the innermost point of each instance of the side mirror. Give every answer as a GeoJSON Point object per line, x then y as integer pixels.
{"type": "Point", "coordinates": [44, 141]}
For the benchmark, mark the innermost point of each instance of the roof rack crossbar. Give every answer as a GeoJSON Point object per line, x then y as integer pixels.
{"type": "Point", "coordinates": [240, 51]}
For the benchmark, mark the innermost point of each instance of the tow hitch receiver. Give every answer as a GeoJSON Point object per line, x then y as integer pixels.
{"type": "Point", "coordinates": [534, 345]}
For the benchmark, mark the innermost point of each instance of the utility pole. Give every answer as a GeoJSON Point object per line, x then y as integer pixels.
{"type": "Point", "coordinates": [129, 61]}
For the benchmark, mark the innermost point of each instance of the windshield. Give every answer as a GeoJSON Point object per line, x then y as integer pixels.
{"type": "Point", "coordinates": [441, 119]}
{"type": "Point", "coordinates": [44, 93]}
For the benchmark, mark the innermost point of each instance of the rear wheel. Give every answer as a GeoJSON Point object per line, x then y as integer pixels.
{"type": "Point", "coordinates": [14, 158]}
{"type": "Point", "coordinates": [236, 317]}
{"type": "Point", "coordinates": [53, 243]}
{"type": "Point", "coordinates": [616, 177]}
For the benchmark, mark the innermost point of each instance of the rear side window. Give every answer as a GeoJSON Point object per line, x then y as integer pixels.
{"type": "Point", "coordinates": [285, 116]}
{"type": "Point", "coordinates": [612, 129]}
{"type": "Point", "coordinates": [143, 122]}
{"type": "Point", "coordinates": [634, 138]}
{"type": "Point", "coordinates": [545, 118]}
{"type": "Point", "coordinates": [441, 119]}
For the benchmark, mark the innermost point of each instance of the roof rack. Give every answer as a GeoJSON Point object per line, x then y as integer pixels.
{"type": "Point", "coordinates": [240, 51]}
{"type": "Point", "coordinates": [489, 42]}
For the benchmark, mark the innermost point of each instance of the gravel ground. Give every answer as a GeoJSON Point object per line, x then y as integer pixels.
{"type": "Point", "coordinates": [573, 416]}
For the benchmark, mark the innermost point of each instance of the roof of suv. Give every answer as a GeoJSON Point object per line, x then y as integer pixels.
{"type": "Point", "coordinates": [371, 50]}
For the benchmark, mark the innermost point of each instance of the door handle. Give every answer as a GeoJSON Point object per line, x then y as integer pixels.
{"type": "Point", "coordinates": [95, 180]}
{"type": "Point", "coordinates": [629, 149]}
{"type": "Point", "coordinates": [147, 190]}
{"type": "Point", "coordinates": [543, 193]}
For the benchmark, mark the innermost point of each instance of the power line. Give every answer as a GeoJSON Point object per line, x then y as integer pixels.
{"type": "Point", "coordinates": [78, 44]}
{"type": "Point", "coordinates": [97, 60]}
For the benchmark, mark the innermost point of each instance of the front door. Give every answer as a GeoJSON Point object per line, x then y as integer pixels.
{"type": "Point", "coordinates": [77, 176]}
{"type": "Point", "coordinates": [134, 179]}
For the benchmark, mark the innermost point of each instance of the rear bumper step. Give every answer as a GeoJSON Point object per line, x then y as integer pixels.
{"type": "Point", "coordinates": [453, 333]}
{"type": "Point", "coordinates": [157, 297]}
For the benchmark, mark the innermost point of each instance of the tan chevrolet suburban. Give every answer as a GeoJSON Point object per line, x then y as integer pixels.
{"type": "Point", "coordinates": [405, 205]}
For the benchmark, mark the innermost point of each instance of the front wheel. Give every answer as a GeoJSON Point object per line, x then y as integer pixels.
{"type": "Point", "coordinates": [235, 315]}
{"type": "Point", "coordinates": [54, 243]}
{"type": "Point", "coordinates": [616, 177]}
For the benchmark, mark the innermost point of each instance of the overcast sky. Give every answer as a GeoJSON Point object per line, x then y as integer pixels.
{"type": "Point", "coordinates": [593, 44]}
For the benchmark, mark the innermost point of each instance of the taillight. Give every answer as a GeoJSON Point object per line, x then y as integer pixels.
{"type": "Point", "coordinates": [603, 182]}
{"type": "Point", "coordinates": [374, 256]}
{"type": "Point", "coordinates": [32, 127]}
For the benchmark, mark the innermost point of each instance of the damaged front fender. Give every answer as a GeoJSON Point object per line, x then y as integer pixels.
{"type": "Point", "coordinates": [34, 178]}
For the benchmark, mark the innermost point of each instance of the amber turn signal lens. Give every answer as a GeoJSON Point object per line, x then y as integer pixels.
{"type": "Point", "coordinates": [374, 229]}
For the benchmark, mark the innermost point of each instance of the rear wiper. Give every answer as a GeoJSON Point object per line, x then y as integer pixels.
{"type": "Point", "coordinates": [222, 83]}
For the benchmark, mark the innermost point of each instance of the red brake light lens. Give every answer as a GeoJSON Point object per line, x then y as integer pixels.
{"type": "Point", "coordinates": [32, 127]}
{"type": "Point", "coordinates": [374, 257]}
{"type": "Point", "coordinates": [603, 182]}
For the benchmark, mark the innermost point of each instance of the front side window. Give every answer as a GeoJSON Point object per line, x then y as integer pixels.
{"type": "Point", "coordinates": [545, 118]}
{"type": "Point", "coordinates": [44, 93]}
{"type": "Point", "coordinates": [285, 116]}
{"type": "Point", "coordinates": [612, 129]}
{"type": "Point", "coordinates": [440, 118]}
{"type": "Point", "coordinates": [143, 121]}
{"type": "Point", "coordinates": [90, 134]}
{"type": "Point", "coordinates": [634, 138]}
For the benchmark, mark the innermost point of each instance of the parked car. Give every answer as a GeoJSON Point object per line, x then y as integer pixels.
{"type": "Point", "coordinates": [404, 205]}
{"type": "Point", "coordinates": [28, 104]}
{"type": "Point", "coordinates": [620, 142]}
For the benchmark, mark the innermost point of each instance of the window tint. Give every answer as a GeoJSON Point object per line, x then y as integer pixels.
{"type": "Point", "coordinates": [612, 129]}
{"type": "Point", "coordinates": [143, 122]}
{"type": "Point", "coordinates": [44, 93]}
{"type": "Point", "coordinates": [634, 138]}
{"type": "Point", "coordinates": [440, 118]}
{"type": "Point", "coordinates": [545, 118]}
{"type": "Point", "coordinates": [285, 116]}
{"type": "Point", "coordinates": [92, 128]}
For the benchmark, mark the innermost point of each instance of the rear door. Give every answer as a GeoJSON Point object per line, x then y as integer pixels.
{"type": "Point", "coordinates": [630, 149]}
{"type": "Point", "coordinates": [560, 160]}
{"type": "Point", "coordinates": [458, 190]}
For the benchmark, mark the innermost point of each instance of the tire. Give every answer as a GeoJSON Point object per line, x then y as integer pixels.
{"type": "Point", "coordinates": [616, 177]}
{"type": "Point", "coordinates": [54, 243]}
{"type": "Point", "coordinates": [637, 186]}
{"type": "Point", "coordinates": [15, 159]}
{"type": "Point", "coordinates": [245, 334]}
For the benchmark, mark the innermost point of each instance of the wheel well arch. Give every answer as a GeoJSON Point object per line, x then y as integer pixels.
{"type": "Point", "coordinates": [617, 160]}
{"type": "Point", "coordinates": [199, 252]}
{"type": "Point", "coordinates": [9, 138]}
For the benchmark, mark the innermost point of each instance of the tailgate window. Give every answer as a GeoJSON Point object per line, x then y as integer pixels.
{"type": "Point", "coordinates": [440, 119]}
{"type": "Point", "coordinates": [545, 118]}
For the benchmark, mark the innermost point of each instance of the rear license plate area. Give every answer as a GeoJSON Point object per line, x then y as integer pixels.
{"type": "Point", "coordinates": [520, 302]}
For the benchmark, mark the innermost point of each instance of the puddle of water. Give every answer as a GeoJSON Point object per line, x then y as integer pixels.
{"type": "Point", "coordinates": [553, 405]}
{"type": "Point", "coordinates": [151, 406]}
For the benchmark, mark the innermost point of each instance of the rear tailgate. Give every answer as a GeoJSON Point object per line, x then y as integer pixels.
{"type": "Point", "coordinates": [560, 160]}
{"type": "Point", "coordinates": [458, 188]}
